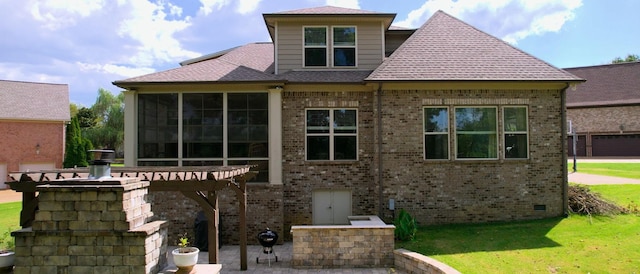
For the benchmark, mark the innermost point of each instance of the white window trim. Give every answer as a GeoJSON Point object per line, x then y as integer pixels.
{"type": "Point", "coordinates": [331, 134]}
{"type": "Point", "coordinates": [505, 132]}
{"type": "Point", "coordinates": [326, 47]}
{"type": "Point", "coordinates": [355, 47]}
{"type": "Point", "coordinates": [496, 132]}
{"type": "Point", "coordinates": [448, 133]}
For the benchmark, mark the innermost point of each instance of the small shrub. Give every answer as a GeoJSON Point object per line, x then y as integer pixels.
{"type": "Point", "coordinates": [406, 226]}
{"type": "Point", "coordinates": [7, 242]}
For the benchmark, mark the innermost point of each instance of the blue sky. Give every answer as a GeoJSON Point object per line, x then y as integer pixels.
{"type": "Point", "coordinates": [88, 44]}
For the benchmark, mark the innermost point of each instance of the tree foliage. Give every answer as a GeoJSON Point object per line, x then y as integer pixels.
{"type": "Point", "coordinates": [77, 146]}
{"type": "Point", "coordinates": [629, 58]}
{"type": "Point", "coordinates": [86, 118]}
{"type": "Point", "coordinates": [108, 130]}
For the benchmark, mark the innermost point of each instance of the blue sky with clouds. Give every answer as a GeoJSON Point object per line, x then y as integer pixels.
{"type": "Point", "coordinates": [88, 44]}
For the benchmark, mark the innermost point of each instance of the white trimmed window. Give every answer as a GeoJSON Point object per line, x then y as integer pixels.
{"type": "Point", "coordinates": [315, 46]}
{"type": "Point", "coordinates": [516, 132]}
{"type": "Point", "coordinates": [331, 134]}
{"type": "Point", "coordinates": [436, 133]}
{"type": "Point", "coordinates": [344, 46]}
{"type": "Point", "coordinates": [476, 132]}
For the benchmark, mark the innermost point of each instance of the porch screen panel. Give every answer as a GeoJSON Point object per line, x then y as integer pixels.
{"type": "Point", "coordinates": [248, 120]}
{"type": "Point", "coordinates": [158, 126]}
{"type": "Point", "coordinates": [202, 123]}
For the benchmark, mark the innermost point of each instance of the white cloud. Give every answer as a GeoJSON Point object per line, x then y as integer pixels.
{"type": "Point", "coordinates": [122, 71]}
{"type": "Point", "coordinates": [247, 6]}
{"type": "Point", "coordinates": [57, 14]}
{"type": "Point", "coordinates": [352, 4]}
{"type": "Point", "coordinates": [149, 26]}
{"type": "Point", "coordinates": [511, 20]}
{"type": "Point", "coordinates": [208, 6]}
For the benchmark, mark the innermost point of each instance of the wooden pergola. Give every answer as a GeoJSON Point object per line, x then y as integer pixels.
{"type": "Point", "coordinates": [200, 184]}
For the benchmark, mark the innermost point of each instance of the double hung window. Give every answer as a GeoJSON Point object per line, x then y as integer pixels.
{"type": "Point", "coordinates": [331, 134]}
{"type": "Point", "coordinates": [344, 46]}
{"type": "Point", "coordinates": [315, 46]}
{"type": "Point", "coordinates": [436, 133]}
{"type": "Point", "coordinates": [515, 132]}
{"type": "Point", "coordinates": [476, 132]}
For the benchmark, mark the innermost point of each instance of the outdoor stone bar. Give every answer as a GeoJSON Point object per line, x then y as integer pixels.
{"type": "Point", "coordinates": [367, 242]}
{"type": "Point", "coordinates": [92, 226]}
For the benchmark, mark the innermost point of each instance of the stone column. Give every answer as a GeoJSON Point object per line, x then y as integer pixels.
{"type": "Point", "coordinates": [92, 226]}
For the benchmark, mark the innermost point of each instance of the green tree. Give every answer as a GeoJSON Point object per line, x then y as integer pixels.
{"type": "Point", "coordinates": [87, 118]}
{"type": "Point", "coordinates": [108, 131]}
{"type": "Point", "coordinates": [629, 58]}
{"type": "Point", "coordinates": [76, 146]}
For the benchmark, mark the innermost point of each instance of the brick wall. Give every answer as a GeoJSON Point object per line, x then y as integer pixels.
{"type": "Point", "coordinates": [454, 191]}
{"type": "Point", "coordinates": [605, 119]}
{"type": "Point", "coordinates": [264, 209]}
{"type": "Point", "coordinates": [449, 191]}
{"type": "Point", "coordinates": [301, 177]}
{"type": "Point", "coordinates": [19, 140]}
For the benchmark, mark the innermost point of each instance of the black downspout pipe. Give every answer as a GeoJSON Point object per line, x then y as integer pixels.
{"type": "Point", "coordinates": [565, 180]}
{"type": "Point", "coordinates": [380, 184]}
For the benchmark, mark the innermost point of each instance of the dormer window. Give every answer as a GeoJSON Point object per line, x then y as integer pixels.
{"type": "Point", "coordinates": [315, 46]}
{"type": "Point", "coordinates": [344, 46]}
{"type": "Point", "coordinates": [341, 45]}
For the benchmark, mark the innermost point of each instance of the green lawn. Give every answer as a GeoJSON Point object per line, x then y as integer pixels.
{"type": "Point", "coordinates": [576, 244]}
{"type": "Point", "coordinates": [9, 221]}
{"type": "Point", "coordinates": [625, 170]}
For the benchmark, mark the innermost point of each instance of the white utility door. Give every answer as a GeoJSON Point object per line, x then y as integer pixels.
{"type": "Point", "coordinates": [331, 207]}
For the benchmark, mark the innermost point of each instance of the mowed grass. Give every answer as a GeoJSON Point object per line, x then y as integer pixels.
{"type": "Point", "coordinates": [624, 170]}
{"type": "Point", "coordinates": [576, 244]}
{"type": "Point", "coordinates": [9, 221]}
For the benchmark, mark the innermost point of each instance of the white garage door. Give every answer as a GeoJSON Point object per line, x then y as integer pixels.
{"type": "Point", "coordinates": [38, 166]}
{"type": "Point", "coordinates": [3, 176]}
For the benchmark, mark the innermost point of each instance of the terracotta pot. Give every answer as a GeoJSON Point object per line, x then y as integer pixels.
{"type": "Point", "coordinates": [7, 258]}
{"type": "Point", "coordinates": [185, 257]}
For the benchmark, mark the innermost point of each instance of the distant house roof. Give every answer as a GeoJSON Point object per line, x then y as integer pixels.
{"type": "Point", "coordinates": [34, 101]}
{"type": "Point", "coordinates": [613, 84]}
{"type": "Point", "coordinates": [445, 48]}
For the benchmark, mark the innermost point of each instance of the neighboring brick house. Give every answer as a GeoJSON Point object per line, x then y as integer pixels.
{"type": "Point", "coordinates": [344, 115]}
{"type": "Point", "coordinates": [605, 111]}
{"type": "Point", "coordinates": [33, 118]}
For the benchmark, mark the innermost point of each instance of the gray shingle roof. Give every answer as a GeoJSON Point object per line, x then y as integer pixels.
{"type": "Point", "coordinates": [347, 76]}
{"type": "Point", "coordinates": [613, 84]}
{"type": "Point", "coordinates": [445, 48]}
{"type": "Point", "coordinates": [34, 101]}
{"type": "Point", "coordinates": [252, 62]}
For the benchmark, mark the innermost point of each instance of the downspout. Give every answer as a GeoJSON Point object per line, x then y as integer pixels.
{"type": "Point", "coordinates": [379, 133]}
{"type": "Point", "coordinates": [565, 180]}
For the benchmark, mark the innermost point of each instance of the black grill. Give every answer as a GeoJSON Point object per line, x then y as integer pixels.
{"type": "Point", "coordinates": [267, 238]}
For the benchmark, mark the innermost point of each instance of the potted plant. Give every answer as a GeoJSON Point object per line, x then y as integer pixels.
{"type": "Point", "coordinates": [7, 256]}
{"type": "Point", "coordinates": [185, 257]}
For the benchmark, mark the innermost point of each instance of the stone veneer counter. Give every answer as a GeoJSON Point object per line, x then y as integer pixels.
{"type": "Point", "coordinates": [367, 242]}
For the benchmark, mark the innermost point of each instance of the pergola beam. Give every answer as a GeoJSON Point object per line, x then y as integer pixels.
{"type": "Point", "coordinates": [193, 182]}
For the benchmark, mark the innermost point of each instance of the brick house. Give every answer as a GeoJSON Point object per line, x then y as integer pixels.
{"type": "Point", "coordinates": [343, 114]}
{"type": "Point", "coordinates": [604, 111]}
{"type": "Point", "coordinates": [33, 118]}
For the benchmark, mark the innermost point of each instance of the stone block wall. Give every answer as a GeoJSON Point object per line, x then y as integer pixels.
{"type": "Point", "coordinates": [342, 246]}
{"type": "Point", "coordinates": [92, 227]}
{"type": "Point", "coordinates": [605, 119]}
